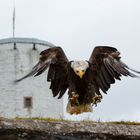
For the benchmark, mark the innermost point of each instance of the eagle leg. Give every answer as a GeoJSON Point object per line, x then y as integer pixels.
{"type": "Point", "coordinates": [74, 99]}
{"type": "Point", "coordinates": [96, 99]}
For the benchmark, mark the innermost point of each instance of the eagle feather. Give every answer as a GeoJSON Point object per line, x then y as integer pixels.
{"type": "Point", "coordinates": [103, 69]}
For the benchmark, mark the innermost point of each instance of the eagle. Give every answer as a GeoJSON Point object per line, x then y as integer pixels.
{"type": "Point", "coordinates": [85, 80]}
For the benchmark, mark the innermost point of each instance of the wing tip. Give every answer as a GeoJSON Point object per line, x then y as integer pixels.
{"type": "Point", "coordinates": [18, 80]}
{"type": "Point", "coordinates": [133, 73]}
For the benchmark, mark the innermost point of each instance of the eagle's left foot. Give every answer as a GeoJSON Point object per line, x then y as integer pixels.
{"type": "Point", "coordinates": [96, 99]}
{"type": "Point", "coordinates": [74, 99]}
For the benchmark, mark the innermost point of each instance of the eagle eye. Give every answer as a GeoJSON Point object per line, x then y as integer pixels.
{"type": "Point", "coordinates": [77, 71]}
{"type": "Point", "coordinates": [83, 70]}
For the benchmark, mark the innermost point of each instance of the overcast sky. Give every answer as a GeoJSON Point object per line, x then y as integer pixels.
{"type": "Point", "coordinates": [78, 26]}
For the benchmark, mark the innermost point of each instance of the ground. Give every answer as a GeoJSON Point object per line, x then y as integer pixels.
{"type": "Point", "coordinates": [51, 129]}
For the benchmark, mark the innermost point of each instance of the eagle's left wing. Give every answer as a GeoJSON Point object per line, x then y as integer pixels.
{"type": "Point", "coordinates": [56, 61]}
{"type": "Point", "coordinates": [107, 66]}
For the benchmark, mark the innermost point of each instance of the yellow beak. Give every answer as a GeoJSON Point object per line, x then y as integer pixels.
{"type": "Point", "coordinates": [81, 73]}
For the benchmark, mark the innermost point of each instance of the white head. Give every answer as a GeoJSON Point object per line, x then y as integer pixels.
{"type": "Point", "coordinates": [79, 67]}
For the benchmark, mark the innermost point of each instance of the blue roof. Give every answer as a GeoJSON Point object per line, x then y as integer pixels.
{"type": "Point", "coordinates": [26, 40]}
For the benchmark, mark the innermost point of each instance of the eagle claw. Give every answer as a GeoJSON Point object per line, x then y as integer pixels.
{"type": "Point", "coordinates": [96, 99]}
{"type": "Point", "coordinates": [74, 99]}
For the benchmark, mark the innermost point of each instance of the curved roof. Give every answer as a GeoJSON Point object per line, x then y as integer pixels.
{"type": "Point", "coordinates": [25, 40]}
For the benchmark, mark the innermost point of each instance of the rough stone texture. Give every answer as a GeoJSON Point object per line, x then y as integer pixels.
{"type": "Point", "coordinates": [66, 130]}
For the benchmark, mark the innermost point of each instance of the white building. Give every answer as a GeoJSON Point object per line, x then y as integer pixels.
{"type": "Point", "coordinates": [32, 96]}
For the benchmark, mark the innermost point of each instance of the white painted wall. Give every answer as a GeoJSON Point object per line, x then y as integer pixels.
{"type": "Point", "coordinates": [15, 64]}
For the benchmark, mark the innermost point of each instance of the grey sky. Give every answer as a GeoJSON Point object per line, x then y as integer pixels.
{"type": "Point", "coordinates": [78, 26]}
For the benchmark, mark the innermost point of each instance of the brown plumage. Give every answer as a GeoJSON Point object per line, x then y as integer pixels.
{"type": "Point", "coordinates": [84, 79]}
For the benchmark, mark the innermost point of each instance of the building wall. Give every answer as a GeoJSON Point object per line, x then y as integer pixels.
{"type": "Point", "coordinates": [15, 64]}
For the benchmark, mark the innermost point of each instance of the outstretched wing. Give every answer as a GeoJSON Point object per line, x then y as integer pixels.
{"type": "Point", "coordinates": [107, 66]}
{"type": "Point", "coordinates": [55, 59]}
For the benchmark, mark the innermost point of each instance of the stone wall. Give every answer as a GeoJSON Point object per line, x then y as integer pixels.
{"type": "Point", "coordinates": [15, 63]}
{"type": "Point", "coordinates": [66, 130]}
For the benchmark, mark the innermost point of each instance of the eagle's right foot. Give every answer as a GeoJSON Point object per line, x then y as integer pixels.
{"type": "Point", "coordinates": [96, 99]}
{"type": "Point", "coordinates": [74, 99]}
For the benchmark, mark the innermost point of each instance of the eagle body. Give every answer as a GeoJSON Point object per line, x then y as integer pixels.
{"type": "Point", "coordinates": [85, 80]}
{"type": "Point", "coordinates": [80, 85]}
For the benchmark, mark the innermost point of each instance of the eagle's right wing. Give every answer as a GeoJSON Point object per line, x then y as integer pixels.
{"type": "Point", "coordinates": [107, 66]}
{"type": "Point", "coordinates": [55, 59]}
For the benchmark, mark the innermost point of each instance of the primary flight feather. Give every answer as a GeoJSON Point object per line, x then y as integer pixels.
{"type": "Point", "coordinates": [84, 79]}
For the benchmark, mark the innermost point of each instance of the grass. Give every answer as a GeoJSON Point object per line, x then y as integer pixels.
{"type": "Point", "coordinates": [124, 122]}
{"type": "Point", "coordinates": [65, 120]}
{"type": "Point", "coordinates": [34, 118]}
{"type": "Point", "coordinates": [90, 121]}
{"type": "Point", "coordinates": [42, 119]}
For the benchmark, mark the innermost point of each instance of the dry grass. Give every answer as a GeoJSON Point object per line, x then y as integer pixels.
{"type": "Point", "coordinates": [85, 121]}
{"type": "Point", "coordinates": [124, 122]}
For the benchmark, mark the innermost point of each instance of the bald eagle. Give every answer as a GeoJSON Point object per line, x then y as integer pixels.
{"type": "Point", "coordinates": [85, 80]}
